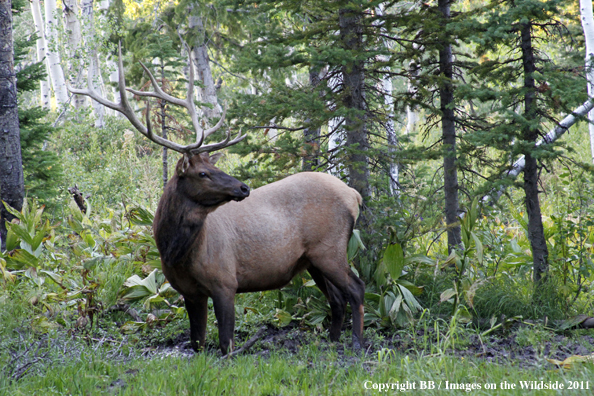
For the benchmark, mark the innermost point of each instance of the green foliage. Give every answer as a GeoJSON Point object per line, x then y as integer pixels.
{"type": "Point", "coordinates": [81, 263]}
{"type": "Point", "coordinates": [42, 168]}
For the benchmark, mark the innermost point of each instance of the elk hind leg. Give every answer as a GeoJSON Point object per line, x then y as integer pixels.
{"type": "Point", "coordinates": [336, 300]}
{"type": "Point", "coordinates": [337, 272]}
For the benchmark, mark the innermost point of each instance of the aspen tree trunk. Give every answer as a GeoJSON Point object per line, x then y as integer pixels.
{"type": "Point", "coordinates": [351, 34]}
{"type": "Point", "coordinates": [335, 135]}
{"type": "Point", "coordinates": [208, 94]}
{"type": "Point", "coordinates": [588, 25]}
{"type": "Point", "coordinates": [391, 138]}
{"type": "Point", "coordinates": [11, 164]}
{"type": "Point", "coordinates": [72, 24]}
{"type": "Point", "coordinates": [540, 253]}
{"type": "Point", "coordinates": [89, 36]}
{"type": "Point", "coordinates": [44, 85]}
{"type": "Point", "coordinates": [412, 114]}
{"type": "Point", "coordinates": [55, 68]}
{"type": "Point", "coordinates": [448, 129]}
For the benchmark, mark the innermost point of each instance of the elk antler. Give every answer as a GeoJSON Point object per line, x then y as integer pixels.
{"type": "Point", "coordinates": [125, 108]}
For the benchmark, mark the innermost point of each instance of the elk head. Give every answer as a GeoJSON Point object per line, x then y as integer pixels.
{"type": "Point", "coordinates": [203, 183]}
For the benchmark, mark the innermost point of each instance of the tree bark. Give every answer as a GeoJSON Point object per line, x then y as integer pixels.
{"type": "Point", "coordinates": [94, 71]}
{"type": "Point", "coordinates": [448, 128]}
{"type": "Point", "coordinates": [12, 188]}
{"type": "Point", "coordinates": [44, 85]}
{"type": "Point", "coordinates": [73, 30]}
{"type": "Point", "coordinates": [588, 26]}
{"type": "Point", "coordinates": [311, 136]}
{"type": "Point", "coordinates": [538, 242]}
{"type": "Point", "coordinates": [553, 135]}
{"type": "Point", "coordinates": [208, 94]}
{"type": "Point", "coordinates": [162, 104]}
{"type": "Point", "coordinates": [55, 68]}
{"type": "Point", "coordinates": [391, 138]}
{"type": "Point", "coordinates": [351, 35]}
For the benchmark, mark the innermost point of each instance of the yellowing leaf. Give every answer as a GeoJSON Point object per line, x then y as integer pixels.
{"type": "Point", "coordinates": [571, 360]}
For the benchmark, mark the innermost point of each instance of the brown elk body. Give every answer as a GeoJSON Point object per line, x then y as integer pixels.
{"type": "Point", "coordinates": [212, 246]}
{"type": "Point", "coordinates": [216, 248]}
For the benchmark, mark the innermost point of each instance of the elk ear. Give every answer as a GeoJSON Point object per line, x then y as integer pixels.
{"type": "Point", "coordinates": [214, 158]}
{"type": "Point", "coordinates": [183, 165]}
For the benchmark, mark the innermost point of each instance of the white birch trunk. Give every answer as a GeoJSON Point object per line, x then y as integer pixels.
{"type": "Point", "coordinates": [390, 127]}
{"type": "Point", "coordinates": [55, 68]}
{"type": "Point", "coordinates": [550, 137]}
{"type": "Point", "coordinates": [588, 25]}
{"type": "Point", "coordinates": [208, 94]}
{"type": "Point", "coordinates": [335, 136]}
{"type": "Point", "coordinates": [412, 115]}
{"type": "Point", "coordinates": [89, 36]}
{"type": "Point", "coordinates": [73, 30]}
{"type": "Point", "coordinates": [44, 85]}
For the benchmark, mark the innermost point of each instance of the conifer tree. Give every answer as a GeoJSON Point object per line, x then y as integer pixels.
{"type": "Point", "coordinates": [11, 168]}
{"type": "Point", "coordinates": [339, 43]}
{"type": "Point", "coordinates": [526, 87]}
{"type": "Point", "coordinates": [42, 169]}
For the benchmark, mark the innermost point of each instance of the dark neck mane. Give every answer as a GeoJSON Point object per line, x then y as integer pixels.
{"type": "Point", "coordinates": [177, 225]}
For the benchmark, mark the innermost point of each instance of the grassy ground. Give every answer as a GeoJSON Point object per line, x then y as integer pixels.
{"type": "Point", "coordinates": [310, 371]}
{"type": "Point", "coordinates": [292, 361]}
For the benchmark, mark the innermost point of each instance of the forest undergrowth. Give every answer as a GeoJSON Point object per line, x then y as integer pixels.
{"type": "Point", "coordinates": [82, 296]}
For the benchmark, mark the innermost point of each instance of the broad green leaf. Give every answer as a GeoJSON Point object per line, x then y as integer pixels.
{"type": "Point", "coordinates": [22, 259]}
{"type": "Point", "coordinates": [136, 293]}
{"type": "Point", "coordinates": [283, 318]}
{"type": "Point", "coordinates": [152, 300]}
{"type": "Point", "coordinates": [12, 240]}
{"type": "Point", "coordinates": [452, 259]}
{"type": "Point", "coordinates": [410, 300]}
{"type": "Point", "coordinates": [13, 211]}
{"type": "Point", "coordinates": [52, 275]}
{"type": "Point", "coordinates": [446, 295]}
{"type": "Point", "coordinates": [140, 216]}
{"type": "Point", "coordinates": [380, 274]}
{"type": "Point", "coordinates": [88, 238]}
{"type": "Point", "coordinates": [479, 248]}
{"type": "Point", "coordinates": [415, 290]}
{"type": "Point", "coordinates": [41, 324]}
{"type": "Point", "coordinates": [372, 297]}
{"type": "Point", "coordinates": [355, 245]}
{"type": "Point", "coordinates": [463, 315]}
{"type": "Point", "coordinates": [393, 313]}
{"type": "Point", "coordinates": [21, 231]}
{"type": "Point", "coordinates": [132, 327]}
{"type": "Point", "coordinates": [573, 322]}
{"type": "Point", "coordinates": [421, 259]}
{"type": "Point", "coordinates": [394, 260]}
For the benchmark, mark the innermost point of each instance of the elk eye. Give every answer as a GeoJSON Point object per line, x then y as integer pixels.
{"type": "Point", "coordinates": [202, 174]}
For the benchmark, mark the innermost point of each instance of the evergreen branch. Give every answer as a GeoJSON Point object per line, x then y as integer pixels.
{"type": "Point", "coordinates": [550, 137]}
{"type": "Point", "coordinates": [278, 127]}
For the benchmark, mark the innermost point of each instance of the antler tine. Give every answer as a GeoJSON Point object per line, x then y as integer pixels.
{"type": "Point", "coordinates": [125, 108]}
{"type": "Point", "coordinates": [220, 145]}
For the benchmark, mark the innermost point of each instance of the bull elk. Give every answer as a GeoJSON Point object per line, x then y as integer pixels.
{"type": "Point", "coordinates": [213, 245]}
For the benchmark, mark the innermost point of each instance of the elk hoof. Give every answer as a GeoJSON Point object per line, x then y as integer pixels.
{"type": "Point", "coordinates": [357, 345]}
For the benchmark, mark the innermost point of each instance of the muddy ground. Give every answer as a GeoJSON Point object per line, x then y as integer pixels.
{"type": "Point", "coordinates": [511, 348]}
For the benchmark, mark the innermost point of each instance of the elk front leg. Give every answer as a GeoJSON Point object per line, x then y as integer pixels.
{"type": "Point", "coordinates": [224, 307]}
{"type": "Point", "coordinates": [197, 308]}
